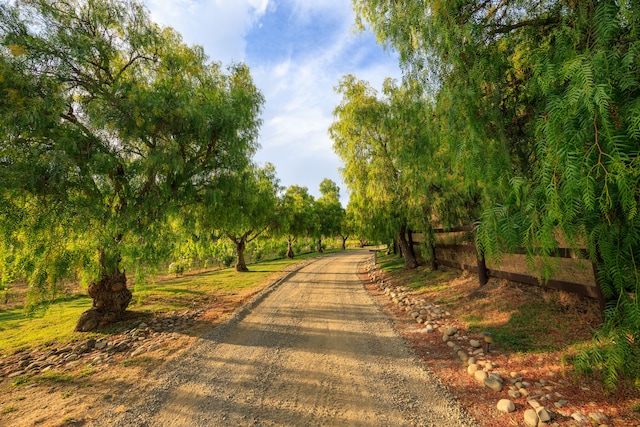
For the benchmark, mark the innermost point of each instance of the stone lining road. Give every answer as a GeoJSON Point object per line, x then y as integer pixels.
{"type": "Point", "coordinates": [313, 350]}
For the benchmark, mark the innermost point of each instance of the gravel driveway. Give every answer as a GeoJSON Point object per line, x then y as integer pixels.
{"type": "Point", "coordinates": [312, 350]}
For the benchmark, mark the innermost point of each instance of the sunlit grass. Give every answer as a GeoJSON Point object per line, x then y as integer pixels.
{"type": "Point", "coordinates": [390, 263]}
{"type": "Point", "coordinates": [20, 330]}
{"type": "Point", "coordinates": [185, 292]}
{"type": "Point", "coordinates": [518, 321]}
{"type": "Point", "coordinates": [55, 322]}
{"type": "Point", "coordinates": [420, 279]}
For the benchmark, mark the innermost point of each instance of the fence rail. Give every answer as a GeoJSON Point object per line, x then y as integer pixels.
{"type": "Point", "coordinates": [485, 273]}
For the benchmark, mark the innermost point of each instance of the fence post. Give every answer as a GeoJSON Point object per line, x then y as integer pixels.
{"type": "Point", "coordinates": [434, 261]}
{"type": "Point", "coordinates": [483, 275]}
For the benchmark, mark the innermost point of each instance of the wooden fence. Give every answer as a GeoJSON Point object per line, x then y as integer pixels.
{"type": "Point", "coordinates": [479, 266]}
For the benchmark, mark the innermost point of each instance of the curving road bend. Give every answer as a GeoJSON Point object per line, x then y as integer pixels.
{"type": "Point", "coordinates": [314, 350]}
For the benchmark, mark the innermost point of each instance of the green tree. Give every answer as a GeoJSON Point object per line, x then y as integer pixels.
{"type": "Point", "coordinates": [538, 103]}
{"type": "Point", "coordinates": [251, 200]}
{"type": "Point", "coordinates": [473, 60]}
{"type": "Point", "coordinates": [297, 216]}
{"type": "Point", "coordinates": [374, 138]}
{"type": "Point", "coordinates": [347, 225]}
{"type": "Point", "coordinates": [109, 123]}
{"type": "Point", "coordinates": [328, 211]}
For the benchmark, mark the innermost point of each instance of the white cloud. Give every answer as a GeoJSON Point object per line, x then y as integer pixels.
{"type": "Point", "coordinates": [298, 89]}
{"type": "Point", "coordinates": [219, 26]}
{"type": "Point", "coordinates": [338, 7]}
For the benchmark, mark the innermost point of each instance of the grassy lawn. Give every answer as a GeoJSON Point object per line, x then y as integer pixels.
{"type": "Point", "coordinates": [55, 323]}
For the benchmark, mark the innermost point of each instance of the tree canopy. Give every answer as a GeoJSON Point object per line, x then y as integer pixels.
{"type": "Point", "coordinates": [328, 211]}
{"type": "Point", "coordinates": [109, 122]}
{"type": "Point", "coordinates": [536, 107]}
{"type": "Point", "coordinates": [378, 140]}
{"type": "Point", "coordinates": [250, 208]}
{"type": "Point", "coordinates": [297, 216]}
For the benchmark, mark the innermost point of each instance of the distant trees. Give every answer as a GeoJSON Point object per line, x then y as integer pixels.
{"type": "Point", "coordinates": [328, 211]}
{"type": "Point", "coordinates": [250, 208]}
{"type": "Point", "coordinates": [348, 226]}
{"type": "Point", "coordinates": [297, 216]}
{"type": "Point", "coordinates": [108, 124]}
{"type": "Point", "coordinates": [377, 140]}
{"type": "Point", "coordinates": [535, 114]}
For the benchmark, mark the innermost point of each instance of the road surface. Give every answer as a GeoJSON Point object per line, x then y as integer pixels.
{"type": "Point", "coordinates": [314, 350]}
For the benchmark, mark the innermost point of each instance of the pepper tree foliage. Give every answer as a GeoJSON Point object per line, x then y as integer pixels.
{"type": "Point", "coordinates": [348, 226]}
{"type": "Point", "coordinates": [538, 103]}
{"type": "Point", "coordinates": [109, 123]}
{"type": "Point", "coordinates": [329, 212]}
{"type": "Point", "coordinates": [378, 140]}
{"type": "Point", "coordinates": [249, 209]}
{"type": "Point", "coordinates": [297, 216]}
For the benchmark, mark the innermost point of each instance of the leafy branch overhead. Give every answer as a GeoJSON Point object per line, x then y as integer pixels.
{"type": "Point", "coordinates": [533, 118]}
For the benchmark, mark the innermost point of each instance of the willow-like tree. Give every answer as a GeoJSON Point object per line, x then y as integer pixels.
{"type": "Point", "coordinates": [108, 123]}
{"type": "Point", "coordinates": [328, 211]}
{"type": "Point", "coordinates": [348, 226]}
{"type": "Point", "coordinates": [377, 140]}
{"type": "Point", "coordinates": [548, 93]}
{"type": "Point", "coordinates": [297, 216]}
{"type": "Point", "coordinates": [250, 208]}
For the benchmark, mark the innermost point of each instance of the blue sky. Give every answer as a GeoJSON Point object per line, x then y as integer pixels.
{"type": "Point", "coordinates": [297, 50]}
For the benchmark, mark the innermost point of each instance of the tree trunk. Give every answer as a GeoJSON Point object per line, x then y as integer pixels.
{"type": "Point", "coordinates": [344, 242]}
{"type": "Point", "coordinates": [434, 262]}
{"type": "Point", "coordinates": [110, 298]}
{"type": "Point", "coordinates": [241, 265]}
{"type": "Point", "coordinates": [290, 253]}
{"type": "Point", "coordinates": [410, 261]}
{"type": "Point", "coordinates": [410, 242]}
{"type": "Point", "coordinates": [319, 247]}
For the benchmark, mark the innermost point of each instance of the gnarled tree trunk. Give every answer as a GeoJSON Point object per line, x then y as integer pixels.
{"type": "Point", "coordinates": [344, 242]}
{"type": "Point", "coordinates": [290, 253]}
{"type": "Point", "coordinates": [410, 261]}
{"type": "Point", "coordinates": [241, 265]}
{"type": "Point", "coordinates": [319, 246]}
{"type": "Point", "coordinates": [110, 298]}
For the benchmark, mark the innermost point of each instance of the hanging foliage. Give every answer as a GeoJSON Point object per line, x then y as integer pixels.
{"type": "Point", "coordinates": [537, 107]}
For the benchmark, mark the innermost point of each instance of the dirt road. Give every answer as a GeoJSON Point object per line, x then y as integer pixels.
{"type": "Point", "coordinates": [314, 350]}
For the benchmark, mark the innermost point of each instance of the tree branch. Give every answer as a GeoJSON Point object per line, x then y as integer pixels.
{"type": "Point", "coordinates": [540, 22]}
{"type": "Point", "coordinates": [257, 234]}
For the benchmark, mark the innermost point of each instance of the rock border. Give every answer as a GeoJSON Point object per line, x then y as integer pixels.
{"type": "Point", "coordinates": [539, 395]}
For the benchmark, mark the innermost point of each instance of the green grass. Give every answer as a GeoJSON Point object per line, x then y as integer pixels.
{"type": "Point", "coordinates": [524, 332]}
{"type": "Point", "coordinates": [54, 377]}
{"type": "Point", "coordinates": [139, 361]}
{"type": "Point", "coordinates": [183, 292]}
{"type": "Point", "coordinates": [390, 263]}
{"type": "Point", "coordinates": [22, 380]}
{"type": "Point", "coordinates": [56, 321]}
{"type": "Point", "coordinates": [531, 327]}
{"type": "Point", "coordinates": [420, 279]}
{"type": "Point", "coordinates": [20, 330]}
